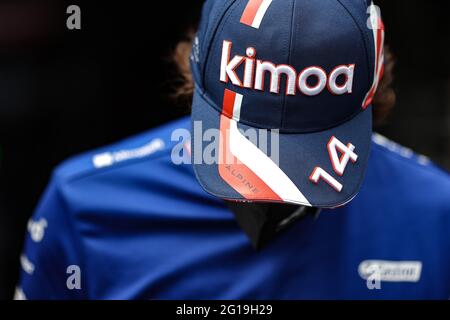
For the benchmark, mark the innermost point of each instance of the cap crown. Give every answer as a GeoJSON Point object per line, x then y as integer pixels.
{"type": "Point", "coordinates": [302, 65]}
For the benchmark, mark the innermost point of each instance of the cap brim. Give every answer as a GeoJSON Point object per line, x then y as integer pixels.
{"type": "Point", "coordinates": [286, 177]}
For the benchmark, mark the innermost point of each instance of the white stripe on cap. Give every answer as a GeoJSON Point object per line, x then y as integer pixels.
{"type": "Point", "coordinates": [260, 163]}
{"type": "Point", "coordinates": [261, 13]}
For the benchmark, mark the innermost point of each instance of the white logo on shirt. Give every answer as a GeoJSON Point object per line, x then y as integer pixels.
{"type": "Point", "coordinates": [375, 271]}
{"type": "Point", "coordinates": [399, 149]}
{"type": "Point", "coordinates": [37, 229]}
{"type": "Point", "coordinates": [108, 158]}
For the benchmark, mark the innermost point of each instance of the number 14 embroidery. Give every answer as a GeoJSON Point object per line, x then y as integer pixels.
{"type": "Point", "coordinates": [339, 164]}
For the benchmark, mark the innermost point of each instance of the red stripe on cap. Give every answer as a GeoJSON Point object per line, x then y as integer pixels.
{"type": "Point", "coordinates": [229, 98]}
{"type": "Point", "coordinates": [381, 72]}
{"type": "Point", "coordinates": [250, 11]}
{"type": "Point", "coordinates": [236, 174]}
{"type": "Point", "coordinates": [379, 69]}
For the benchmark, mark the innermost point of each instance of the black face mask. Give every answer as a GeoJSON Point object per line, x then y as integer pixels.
{"type": "Point", "coordinates": [263, 221]}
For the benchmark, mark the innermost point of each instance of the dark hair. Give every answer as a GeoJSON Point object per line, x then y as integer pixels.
{"type": "Point", "coordinates": [383, 101]}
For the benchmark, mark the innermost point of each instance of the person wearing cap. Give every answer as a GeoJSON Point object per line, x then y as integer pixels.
{"type": "Point", "coordinates": [274, 188]}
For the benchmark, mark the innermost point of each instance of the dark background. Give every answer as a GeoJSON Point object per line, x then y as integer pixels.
{"type": "Point", "coordinates": [63, 92]}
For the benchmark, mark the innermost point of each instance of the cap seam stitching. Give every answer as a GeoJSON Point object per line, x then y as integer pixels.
{"type": "Point", "coordinates": [213, 36]}
{"type": "Point", "coordinates": [291, 37]}
{"type": "Point", "coordinates": [369, 80]}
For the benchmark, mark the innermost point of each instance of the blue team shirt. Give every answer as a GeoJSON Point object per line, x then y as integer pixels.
{"type": "Point", "coordinates": [127, 223]}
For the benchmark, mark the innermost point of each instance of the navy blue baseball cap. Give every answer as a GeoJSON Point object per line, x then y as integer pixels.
{"type": "Point", "coordinates": [282, 104]}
